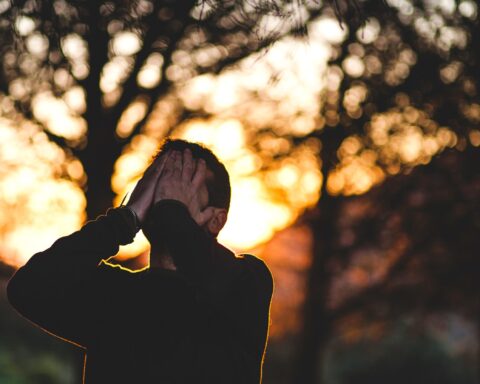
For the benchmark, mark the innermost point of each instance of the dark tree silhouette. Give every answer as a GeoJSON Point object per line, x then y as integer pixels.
{"type": "Point", "coordinates": [413, 71]}
{"type": "Point", "coordinates": [122, 52]}
{"type": "Point", "coordinates": [52, 46]}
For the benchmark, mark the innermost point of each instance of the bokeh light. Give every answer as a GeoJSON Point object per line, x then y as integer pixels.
{"type": "Point", "coordinates": [40, 195]}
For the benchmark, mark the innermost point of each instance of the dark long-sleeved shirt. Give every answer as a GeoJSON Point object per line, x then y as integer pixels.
{"type": "Point", "coordinates": [206, 322]}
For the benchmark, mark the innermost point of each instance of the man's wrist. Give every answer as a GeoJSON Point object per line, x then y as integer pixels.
{"type": "Point", "coordinates": [124, 223]}
{"type": "Point", "coordinates": [133, 213]}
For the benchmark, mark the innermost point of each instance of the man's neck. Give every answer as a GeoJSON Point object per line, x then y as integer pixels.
{"type": "Point", "coordinates": [161, 259]}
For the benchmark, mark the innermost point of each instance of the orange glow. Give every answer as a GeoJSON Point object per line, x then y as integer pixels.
{"type": "Point", "coordinates": [400, 137]}
{"type": "Point", "coordinates": [474, 137]}
{"type": "Point", "coordinates": [328, 29]}
{"type": "Point", "coordinates": [253, 219]}
{"type": "Point", "coordinates": [256, 108]}
{"type": "Point", "coordinates": [265, 99]}
{"type": "Point", "coordinates": [114, 73]}
{"type": "Point", "coordinates": [58, 117]}
{"type": "Point", "coordinates": [249, 194]}
{"type": "Point", "coordinates": [24, 25]}
{"type": "Point", "coordinates": [288, 257]}
{"type": "Point", "coordinates": [38, 202]}
{"type": "Point", "coordinates": [277, 195]}
{"type": "Point", "coordinates": [150, 75]}
{"type": "Point", "coordinates": [131, 116]}
{"type": "Point", "coordinates": [126, 43]}
{"type": "Point", "coordinates": [37, 45]}
{"type": "Point", "coordinates": [258, 209]}
{"type": "Point", "coordinates": [75, 50]}
{"type": "Point", "coordinates": [354, 178]}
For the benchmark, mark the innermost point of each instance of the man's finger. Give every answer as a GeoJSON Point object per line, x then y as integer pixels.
{"type": "Point", "coordinates": [159, 164]}
{"type": "Point", "coordinates": [200, 173]}
{"type": "Point", "coordinates": [169, 163]}
{"type": "Point", "coordinates": [178, 163]}
{"type": "Point", "coordinates": [188, 165]}
{"type": "Point", "coordinates": [152, 170]}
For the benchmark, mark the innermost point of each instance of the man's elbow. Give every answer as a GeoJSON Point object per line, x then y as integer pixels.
{"type": "Point", "coordinates": [16, 291]}
{"type": "Point", "coordinates": [11, 290]}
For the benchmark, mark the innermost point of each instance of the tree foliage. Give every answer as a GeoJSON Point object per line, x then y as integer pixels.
{"type": "Point", "coordinates": [76, 67]}
{"type": "Point", "coordinates": [401, 90]}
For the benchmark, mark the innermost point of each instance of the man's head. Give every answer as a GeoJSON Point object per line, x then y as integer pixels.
{"type": "Point", "coordinates": [217, 181]}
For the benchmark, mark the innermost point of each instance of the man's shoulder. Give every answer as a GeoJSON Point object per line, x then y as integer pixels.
{"type": "Point", "coordinates": [257, 266]}
{"type": "Point", "coordinates": [252, 260]}
{"type": "Point", "coordinates": [244, 265]}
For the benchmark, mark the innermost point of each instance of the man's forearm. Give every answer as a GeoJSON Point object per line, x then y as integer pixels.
{"type": "Point", "coordinates": [49, 274]}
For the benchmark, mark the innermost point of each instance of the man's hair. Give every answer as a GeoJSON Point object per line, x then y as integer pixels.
{"type": "Point", "coordinates": [219, 190]}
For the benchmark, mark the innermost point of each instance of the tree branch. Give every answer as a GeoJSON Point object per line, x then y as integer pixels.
{"type": "Point", "coordinates": [130, 85]}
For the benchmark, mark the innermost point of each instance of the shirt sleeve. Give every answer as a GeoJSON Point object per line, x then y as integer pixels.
{"type": "Point", "coordinates": [58, 289]}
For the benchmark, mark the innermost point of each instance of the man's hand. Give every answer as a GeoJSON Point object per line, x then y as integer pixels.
{"type": "Point", "coordinates": [183, 179]}
{"type": "Point", "coordinates": [142, 196]}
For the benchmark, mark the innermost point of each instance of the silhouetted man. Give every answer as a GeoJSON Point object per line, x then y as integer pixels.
{"type": "Point", "coordinates": [197, 314]}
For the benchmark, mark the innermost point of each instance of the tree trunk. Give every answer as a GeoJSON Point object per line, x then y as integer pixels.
{"type": "Point", "coordinates": [102, 148]}
{"type": "Point", "coordinates": [316, 320]}
{"type": "Point", "coordinates": [98, 159]}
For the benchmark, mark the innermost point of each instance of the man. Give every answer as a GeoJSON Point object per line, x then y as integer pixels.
{"type": "Point", "coordinates": [197, 314]}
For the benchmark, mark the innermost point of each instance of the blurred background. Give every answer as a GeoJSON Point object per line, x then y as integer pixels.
{"type": "Point", "coordinates": [350, 131]}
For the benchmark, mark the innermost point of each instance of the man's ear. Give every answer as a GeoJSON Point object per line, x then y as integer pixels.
{"type": "Point", "coordinates": [217, 221]}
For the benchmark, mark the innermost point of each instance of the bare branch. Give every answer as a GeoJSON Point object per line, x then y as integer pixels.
{"type": "Point", "coordinates": [130, 86]}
